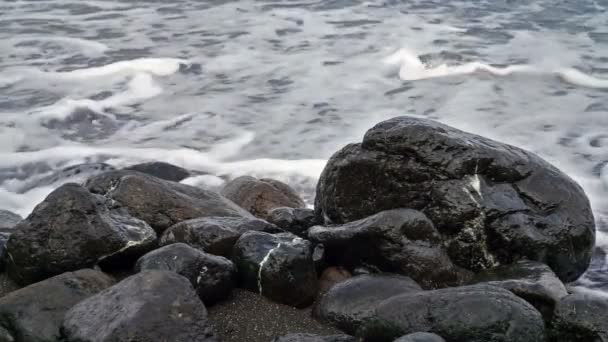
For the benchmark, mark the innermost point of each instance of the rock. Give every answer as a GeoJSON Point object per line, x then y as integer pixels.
{"type": "Point", "coordinates": [314, 338]}
{"type": "Point", "coordinates": [161, 203]}
{"type": "Point", "coordinates": [348, 304]}
{"type": "Point", "coordinates": [215, 235]}
{"type": "Point", "coordinates": [73, 229]}
{"type": "Point", "coordinates": [150, 306]}
{"type": "Point", "coordinates": [401, 240]}
{"type": "Point", "coordinates": [492, 203]}
{"type": "Point", "coordinates": [331, 276]}
{"type": "Point", "coordinates": [420, 337]}
{"type": "Point", "coordinates": [34, 313]}
{"type": "Point", "coordinates": [213, 277]}
{"type": "Point", "coordinates": [260, 196]}
{"type": "Point", "coordinates": [530, 280]}
{"type": "Point", "coordinates": [580, 317]}
{"type": "Point", "coordinates": [161, 170]}
{"type": "Point", "coordinates": [8, 220]}
{"type": "Point", "coordinates": [476, 313]}
{"type": "Point", "coordinates": [279, 267]}
{"type": "Point", "coordinates": [294, 220]}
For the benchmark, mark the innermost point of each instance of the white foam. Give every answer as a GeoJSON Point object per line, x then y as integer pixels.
{"type": "Point", "coordinates": [140, 87]}
{"type": "Point", "coordinates": [154, 66]}
{"type": "Point", "coordinates": [411, 68]}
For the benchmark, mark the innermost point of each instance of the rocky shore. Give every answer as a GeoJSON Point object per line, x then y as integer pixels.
{"type": "Point", "coordinates": [420, 233]}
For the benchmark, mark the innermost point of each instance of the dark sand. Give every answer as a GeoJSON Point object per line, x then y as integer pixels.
{"type": "Point", "coordinates": [248, 317]}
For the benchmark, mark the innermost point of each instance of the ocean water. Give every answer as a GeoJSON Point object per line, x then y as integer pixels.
{"type": "Point", "coordinates": [273, 88]}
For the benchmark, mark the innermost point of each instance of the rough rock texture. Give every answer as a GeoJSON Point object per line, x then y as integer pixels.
{"type": "Point", "coordinates": [477, 313]}
{"type": "Point", "coordinates": [420, 337]}
{"type": "Point", "coordinates": [151, 306]}
{"type": "Point", "coordinates": [530, 280]}
{"type": "Point", "coordinates": [492, 202]}
{"type": "Point", "coordinates": [580, 317]}
{"type": "Point", "coordinates": [279, 267]}
{"type": "Point", "coordinates": [348, 304]}
{"type": "Point", "coordinates": [8, 220]}
{"type": "Point", "coordinates": [213, 277]}
{"type": "Point", "coordinates": [215, 235]}
{"type": "Point", "coordinates": [331, 276]}
{"type": "Point", "coordinates": [294, 220]}
{"type": "Point", "coordinates": [161, 170]}
{"type": "Point", "coordinates": [34, 313]}
{"type": "Point", "coordinates": [315, 338]}
{"type": "Point", "coordinates": [260, 196]}
{"type": "Point", "coordinates": [159, 202]}
{"type": "Point", "coordinates": [401, 240]}
{"type": "Point", "coordinates": [73, 229]}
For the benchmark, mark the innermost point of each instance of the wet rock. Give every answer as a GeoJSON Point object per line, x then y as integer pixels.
{"type": "Point", "coordinates": [294, 220]}
{"type": "Point", "coordinates": [161, 203]}
{"type": "Point", "coordinates": [420, 337]}
{"type": "Point", "coordinates": [34, 313]}
{"type": "Point", "coordinates": [161, 170]}
{"type": "Point", "coordinates": [314, 338]}
{"type": "Point", "coordinates": [530, 280]}
{"type": "Point", "coordinates": [150, 306]}
{"type": "Point", "coordinates": [279, 267]}
{"type": "Point", "coordinates": [8, 220]}
{"type": "Point", "coordinates": [401, 240]}
{"type": "Point", "coordinates": [331, 276]}
{"type": "Point", "coordinates": [580, 317]}
{"type": "Point", "coordinates": [215, 235]}
{"type": "Point", "coordinates": [492, 203]}
{"type": "Point", "coordinates": [213, 277]}
{"type": "Point", "coordinates": [73, 229]}
{"type": "Point", "coordinates": [348, 304]}
{"type": "Point", "coordinates": [477, 313]}
{"type": "Point", "coordinates": [260, 196]}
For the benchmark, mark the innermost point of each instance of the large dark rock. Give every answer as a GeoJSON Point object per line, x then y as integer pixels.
{"type": "Point", "coordinates": [493, 203]}
{"type": "Point", "coordinates": [34, 313]}
{"type": "Point", "coordinates": [477, 313]}
{"type": "Point", "coordinates": [215, 235]}
{"type": "Point", "coordinates": [161, 170]}
{"type": "Point", "coordinates": [213, 277]}
{"type": "Point", "coordinates": [314, 338]}
{"type": "Point", "coordinates": [8, 220]}
{"type": "Point", "coordinates": [151, 306]}
{"type": "Point", "coordinates": [530, 280]}
{"type": "Point", "coordinates": [580, 317]}
{"type": "Point", "coordinates": [420, 337]}
{"type": "Point", "coordinates": [279, 267]}
{"type": "Point", "coordinates": [401, 240]}
{"type": "Point", "coordinates": [294, 220]}
{"type": "Point", "coordinates": [73, 229]}
{"type": "Point", "coordinates": [159, 202]}
{"type": "Point", "coordinates": [260, 196]}
{"type": "Point", "coordinates": [348, 304]}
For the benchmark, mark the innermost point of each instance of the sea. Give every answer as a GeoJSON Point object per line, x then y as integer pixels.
{"type": "Point", "coordinates": [272, 88]}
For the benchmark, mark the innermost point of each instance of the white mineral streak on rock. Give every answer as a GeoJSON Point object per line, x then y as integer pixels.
{"type": "Point", "coordinates": [264, 261]}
